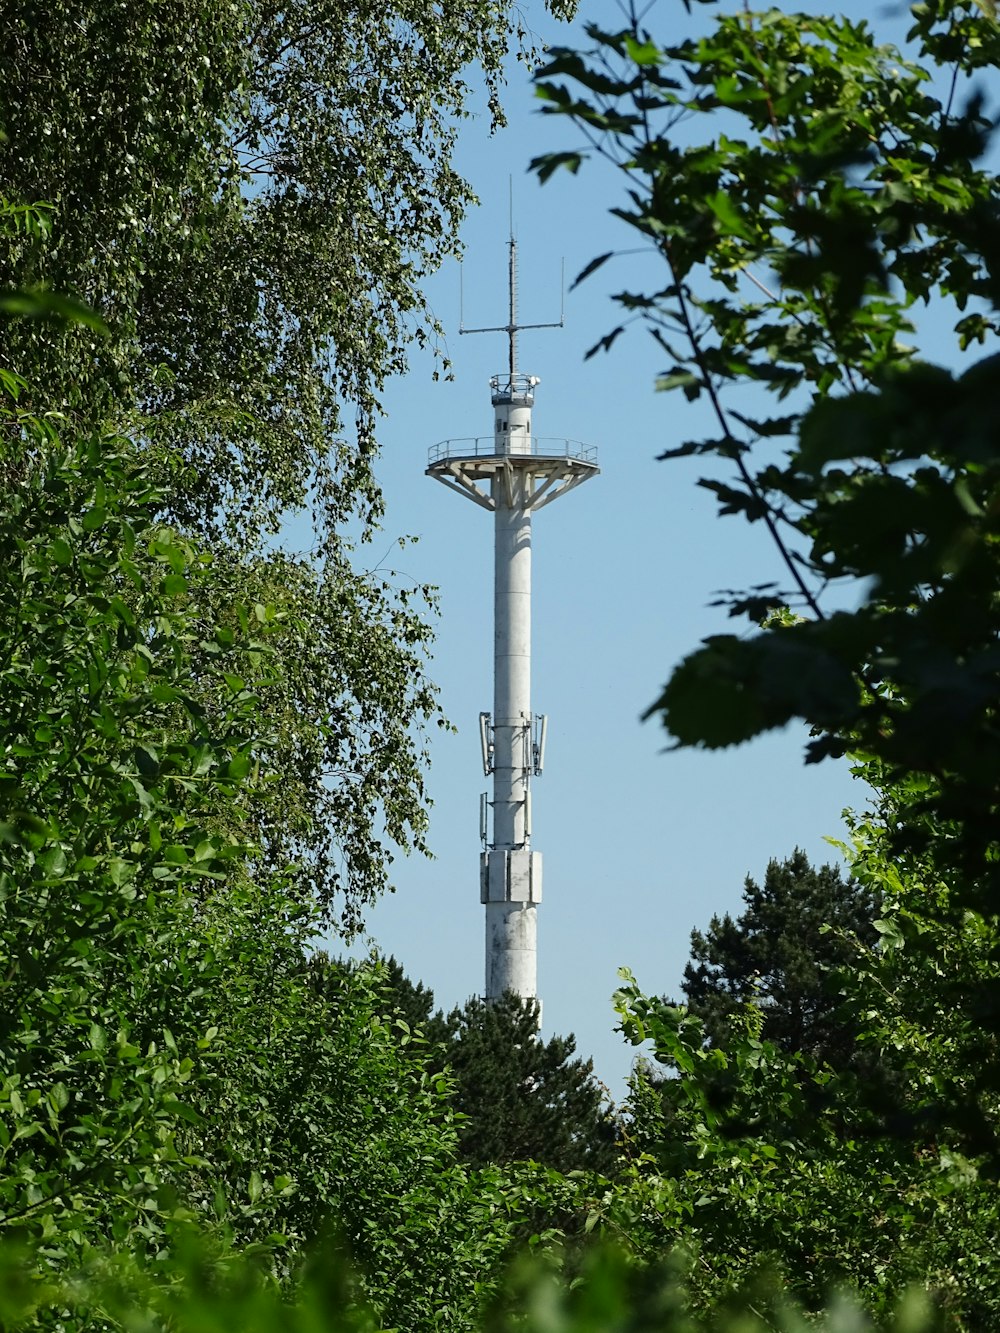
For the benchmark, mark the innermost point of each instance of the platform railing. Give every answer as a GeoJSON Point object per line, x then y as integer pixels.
{"type": "Point", "coordinates": [485, 446]}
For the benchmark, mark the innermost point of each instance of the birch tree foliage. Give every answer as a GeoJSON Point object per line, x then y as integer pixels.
{"type": "Point", "coordinates": [249, 196]}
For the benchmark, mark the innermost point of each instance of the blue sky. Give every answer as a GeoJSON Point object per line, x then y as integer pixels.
{"type": "Point", "coordinates": [639, 845]}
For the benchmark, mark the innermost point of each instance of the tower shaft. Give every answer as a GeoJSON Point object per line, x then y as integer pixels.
{"type": "Point", "coordinates": [514, 475]}
{"type": "Point", "coordinates": [511, 880]}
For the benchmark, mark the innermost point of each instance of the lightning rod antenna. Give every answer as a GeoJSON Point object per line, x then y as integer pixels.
{"type": "Point", "coordinates": [512, 325]}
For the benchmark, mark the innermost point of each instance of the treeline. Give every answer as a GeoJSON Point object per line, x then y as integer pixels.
{"type": "Point", "coordinates": [214, 226]}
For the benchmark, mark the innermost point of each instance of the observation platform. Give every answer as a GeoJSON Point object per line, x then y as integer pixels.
{"type": "Point", "coordinates": [534, 447]}
{"type": "Point", "coordinates": [548, 466]}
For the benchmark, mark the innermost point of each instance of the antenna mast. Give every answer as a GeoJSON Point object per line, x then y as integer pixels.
{"type": "Point", "coordinates": [513, 475]}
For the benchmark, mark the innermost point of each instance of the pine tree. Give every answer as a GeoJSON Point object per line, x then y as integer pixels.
{"type": "Point", "coordinates": [524, 1098]}
{"type": "Point", "coordinates": [783, 953]}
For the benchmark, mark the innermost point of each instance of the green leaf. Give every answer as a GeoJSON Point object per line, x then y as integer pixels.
{"type": "Point", "coordinates": [60, 551]}
{"type": "Point", "coordinates": [680, 378]}
{"type": "Point", "coordinates": [53, 863]}
{"type": "Point", "coordinates": [93, 519]}
{"type": "Point", "coordinates": [733, 689]}
{"type": "Point", "coordinates": [172, 1106]}
{"type": "Point", "coordinates": [642, 53]}
{"type": "Point", "coordinates": [238, 767]}
{"type": "Point", "coordinates": [549, 163]}
{"type": "Point", "coordinates": [592, 267]}
{"type": "Point", "coordinates": [966, 499]}
{"type": "Point", "coordinates": [50, 305]}
{"type": "Point", "coordinates": [606, 343]}
{"type": "Point", "coordinates": [120, 871]}
{"type": "Point", "coordinates": [147, 761]}
{"type": "Point", "coordinates": [58, 1097]}
{"type": "Point", "coordinates": [732, 223]}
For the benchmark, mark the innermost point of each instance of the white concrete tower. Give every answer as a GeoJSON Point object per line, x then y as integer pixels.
{"type": "Point", "coordinates": [513, 473]}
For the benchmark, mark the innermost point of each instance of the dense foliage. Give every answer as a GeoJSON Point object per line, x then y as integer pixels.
{"type": "Point", "coordinates": [840, 188]}
{"type": "Point", "coordinates": [206, 739]}
{"type": "Point", "coordinates": [169, 1051]}
{"type": "Point", "coordinates": [250, 195]}
{"type": "Point", "coordinates": [837, 184]}
{"type": "Point", "coordinates": [613, 1295]}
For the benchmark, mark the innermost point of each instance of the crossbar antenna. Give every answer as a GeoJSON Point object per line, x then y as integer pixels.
{"type": "Point", "coordinates": [513, 326]}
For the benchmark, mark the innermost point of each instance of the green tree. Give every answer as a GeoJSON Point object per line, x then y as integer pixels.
{"type": "Point", "coordinates": [110, 843]}
{"type": "Point", "coordinates": [839, 184]}
{"type": "Point", "coordinates": [762, 1160]}
{"type": "Point", "coordinates": [207, 737]}
{"type": "Point", "coordinates": [926, 999]}
{"type": "Point", "coordinates": [842, 184]}
{"type": "Point", "coordinates": [251, 195]}
{"type": "Point", "coordinates": [521, 1098]}
{"type": "Point", "coordinates": [784, 953]}
{"type": "Point", "coordinates": [612, 1293]}
{"type": "Point", "coordinates": [888, 470]}
{"type": "Point", "coordinates": [325, 1127]}
{"type": "Point", "coordinates": [411, 1001]}
{"type": "Point", "coordinates": [169, 1050]}
{"type": "Point", "coordinates": [525, 1098]}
